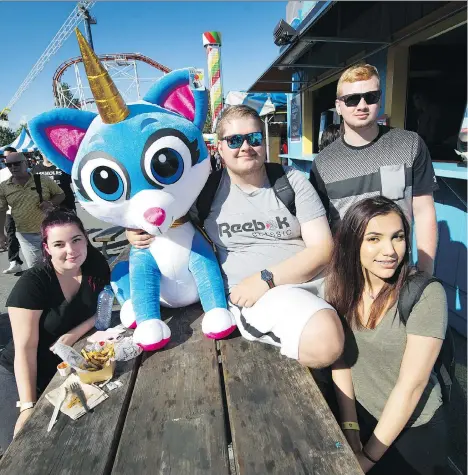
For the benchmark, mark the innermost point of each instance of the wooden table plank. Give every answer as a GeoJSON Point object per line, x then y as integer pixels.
{"type": "Point", "coordinates": [85, 446]}
{"type": "Point", "coordinates": [280, 423]}
{"type": "Point", "coordinates": [175, 422]}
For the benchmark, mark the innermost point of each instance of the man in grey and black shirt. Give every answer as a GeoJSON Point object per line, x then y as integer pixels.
{"type": "Point", "coordinates": [372, 160]}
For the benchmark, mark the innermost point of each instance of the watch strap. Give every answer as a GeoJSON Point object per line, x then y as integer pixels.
{"type": "Point", "coordinates": [25, 405]}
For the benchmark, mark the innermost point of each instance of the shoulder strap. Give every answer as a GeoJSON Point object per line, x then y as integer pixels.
{"type": "Point", "coordinates": [281, 186]}
{"type": "Point", "coordinates": [37, 182]}
{"type": "Point", "coordinates": [411, 293]}
{"type": "Point", "coordinates": [207, 195]}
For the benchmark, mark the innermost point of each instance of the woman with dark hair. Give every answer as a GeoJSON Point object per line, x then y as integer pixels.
{"type": "Point", "coordinates": [385, 378]}
{"type": "Point", "coordinates": [53, 301]}
{"type": "Point", "coordinates": [330, 134]}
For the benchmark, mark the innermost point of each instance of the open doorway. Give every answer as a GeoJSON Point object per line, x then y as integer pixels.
{"type": "Point", "coordinates": [437, 86]}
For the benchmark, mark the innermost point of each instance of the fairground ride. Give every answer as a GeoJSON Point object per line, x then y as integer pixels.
{"type": "Point", "coordinates": [70, 90]}
{"type": "Point", "coordinates": [122, 68]}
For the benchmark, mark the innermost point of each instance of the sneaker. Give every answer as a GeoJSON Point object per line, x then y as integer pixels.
{"type": "Point", "coordinates": [14, 268]}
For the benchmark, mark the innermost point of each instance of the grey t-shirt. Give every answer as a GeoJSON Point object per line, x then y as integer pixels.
{"type": "Point", "coordinates": [380, 353]}
{"type": "Point", "coordinates": [254, 231]}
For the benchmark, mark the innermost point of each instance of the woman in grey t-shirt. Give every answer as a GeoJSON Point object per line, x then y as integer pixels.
{"type": "Point", "coordinates": [385, 379]}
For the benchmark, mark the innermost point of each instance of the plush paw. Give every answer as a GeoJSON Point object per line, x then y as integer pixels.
{"type": "Point", "coordinates": [152, 335]}
{"type": "Point", "coordinates": [127, 315]}
{"type": "Point", "coordinates": [218, 323]}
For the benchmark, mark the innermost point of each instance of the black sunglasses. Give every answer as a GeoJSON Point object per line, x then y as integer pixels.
{"type": "Point", "coordinates": [254, 139]}
{"type": "Point", "coordinates": [352, 100]}
{"type": "Point", "coordinates": [9, 165]}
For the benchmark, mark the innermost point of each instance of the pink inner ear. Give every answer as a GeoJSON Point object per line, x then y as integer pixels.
{"type": "Point", "coordinates": [181, 101]}
{"type": "Point", "coordinates": [66, 139]}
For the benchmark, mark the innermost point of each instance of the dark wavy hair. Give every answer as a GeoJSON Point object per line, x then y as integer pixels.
{"type": "Point", "coordinates": [345, 280]}
{"type": "Point", "coordinates": [59, 217]}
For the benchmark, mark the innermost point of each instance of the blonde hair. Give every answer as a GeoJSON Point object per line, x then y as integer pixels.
{"type": "Point", "coordinates": [358, 72]}
{"type": "Point", "coordinates": [236, 112]}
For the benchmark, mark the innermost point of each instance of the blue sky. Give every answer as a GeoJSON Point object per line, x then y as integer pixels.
{"type": "Point", "coordinates": [168, 32]}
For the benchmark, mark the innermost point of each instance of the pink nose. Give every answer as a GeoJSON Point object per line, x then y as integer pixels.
{"type": "Point", "coordinates": [155, 216]}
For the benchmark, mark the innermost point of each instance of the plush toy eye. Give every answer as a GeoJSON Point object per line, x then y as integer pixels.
{"type": "Point", "coordinates": [104, 179]}
{"type": "Point", "coordinates": [165, 159]}
{"type": "Point", "coordinates": [167, 166]}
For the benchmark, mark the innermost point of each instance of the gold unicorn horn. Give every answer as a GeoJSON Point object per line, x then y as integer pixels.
{"type": "Point", "coordinates": [109, 102]}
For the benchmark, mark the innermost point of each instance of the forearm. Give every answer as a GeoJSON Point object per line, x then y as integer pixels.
{"type": "Point", "coordinates": [57, 199]}
{"type": "Point", "coordinates": [398, 409]}
{"type": "Point", "coordinates": [426, 238]}
{"type": "Point", "coordinates": [344, 390]}
{"type": "Point", "coordinates": [26, 374]}
{"type": "Point", "coordinates": [302, 267]}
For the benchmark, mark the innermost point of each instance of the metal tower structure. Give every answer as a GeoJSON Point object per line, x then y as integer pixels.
{"type": "Point", "coordinates": [79, 14]}
{"type": "Point", "coordinates": [122, 68]}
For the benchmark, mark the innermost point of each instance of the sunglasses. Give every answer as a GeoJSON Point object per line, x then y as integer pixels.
{"type": "Point", "coordinates": [16, 164]}
{"type": "Point", "coordinates": [254, 139]}
{"type": "Point", "coordinates": [352, 100]}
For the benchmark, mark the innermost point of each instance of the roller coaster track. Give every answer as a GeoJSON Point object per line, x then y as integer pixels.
{"type": "Point", "coordinates": [105, 57]}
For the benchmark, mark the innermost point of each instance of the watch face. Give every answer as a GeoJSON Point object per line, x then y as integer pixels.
{"type": "Point", "coordinates": [266, 275]}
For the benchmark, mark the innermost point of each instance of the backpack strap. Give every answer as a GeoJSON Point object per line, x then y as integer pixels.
{"type": "Point", "coordinates": [37, 182]}
{"type": "Point", "coordinates": [411, 293]}
{"type": "Point", "coordinates": [207, 196]}
{"type": "Point", "coordinates": [281, 186]}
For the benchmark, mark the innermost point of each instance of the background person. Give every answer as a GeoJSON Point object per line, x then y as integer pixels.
{"type": "Point", "coordinates": [63, 180]}
{"type": "Point", "coordinates": [54, 300]}
{"type": "Point", "coordinates": [20, 193]}
{"type": "Point", "coordinates": [12, 243]}
{"type": "Point", "coordinates": [388, 364]}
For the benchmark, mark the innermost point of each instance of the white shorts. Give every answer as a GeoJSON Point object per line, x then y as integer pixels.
{"type": "Point", "coordinates": [280, 315]}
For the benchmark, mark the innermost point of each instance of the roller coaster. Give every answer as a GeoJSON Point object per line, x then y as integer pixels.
{"type": "Point", "coordinates": [122, 67]}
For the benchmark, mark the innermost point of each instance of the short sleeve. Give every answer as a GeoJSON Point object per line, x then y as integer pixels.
{"type": "Point", "coordinates": [50, 184]}
{"type": "Point", "coordinates": [308, 203]}
{"type": "Point", "coordinates": [429, 316]}
{"type": "Point", "coordinates": [319, 185]}
{"type": "Point", "coordinates": [424, 179]}
{"type": "Point", "coordinates": [30, 291]}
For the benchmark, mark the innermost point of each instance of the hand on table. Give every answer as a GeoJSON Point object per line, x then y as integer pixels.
{"type": "Point", "coordinates": [22, 418]}
{"type": "Point", "coordinates": [139, 238]}
{"type": "Point", "coordinates": [248, 291]}
{"type": "Point", "coordinates": [68, 339]}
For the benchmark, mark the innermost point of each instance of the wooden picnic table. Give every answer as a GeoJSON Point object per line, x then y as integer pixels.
{"type": "Point", "coordinates": [196, 407]}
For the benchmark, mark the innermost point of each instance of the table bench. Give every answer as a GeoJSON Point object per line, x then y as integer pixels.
{"type": "Point", "coordinates": [106, 236]}
{"type": "Point", "coordinates": [181, 410]}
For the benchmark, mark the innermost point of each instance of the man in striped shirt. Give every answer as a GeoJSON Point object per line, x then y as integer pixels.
{"type": "Point", "coordinates": [27, 206]}
{"type": "Point", "coordinates": [372, 160]}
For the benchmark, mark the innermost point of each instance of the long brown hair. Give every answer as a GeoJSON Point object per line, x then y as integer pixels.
{"type": "Point", "coordinates": [345, 280]}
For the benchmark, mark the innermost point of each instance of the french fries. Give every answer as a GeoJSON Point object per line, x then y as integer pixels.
{"type": "Point", "coordinates": [96, 359]}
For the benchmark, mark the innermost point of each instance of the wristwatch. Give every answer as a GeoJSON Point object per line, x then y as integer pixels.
{"type": "Point", "coordinates": [25, 405]}
{"type": "Point", "coordinates": [267, 276]}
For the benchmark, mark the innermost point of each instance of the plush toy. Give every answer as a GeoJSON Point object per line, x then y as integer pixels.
{"type": "Point", "coordinates": [142, 166]}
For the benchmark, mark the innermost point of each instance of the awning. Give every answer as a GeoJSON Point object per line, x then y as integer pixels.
{"type": "Point", "coordinates": [23, 143]}
{"type": "Point", "coordinates": [263, 103]}
{"type": "Point", "coordinates": [336, 34]}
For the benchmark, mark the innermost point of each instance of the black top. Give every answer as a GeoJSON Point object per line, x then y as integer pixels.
{"type": "Point", "coordinates": [62, 179]}
{"type": "Point", "coordinates": [39, 289]}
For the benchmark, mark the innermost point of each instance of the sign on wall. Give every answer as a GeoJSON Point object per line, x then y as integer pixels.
{"type": "Point", "coordinates": [296, 118]}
